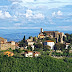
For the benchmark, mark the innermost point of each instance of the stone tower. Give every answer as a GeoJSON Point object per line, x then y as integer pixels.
{"type": "Point", "coordinates": [41, 30]}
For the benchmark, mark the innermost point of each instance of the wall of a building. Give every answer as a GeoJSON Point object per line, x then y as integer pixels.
{"type": "Point", "coordinates": [7, 46]}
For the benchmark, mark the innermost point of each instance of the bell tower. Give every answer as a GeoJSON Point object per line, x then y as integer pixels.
{"type": "Point", "coordinates": [41, 30]}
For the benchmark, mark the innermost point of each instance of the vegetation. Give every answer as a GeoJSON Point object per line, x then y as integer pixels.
{"type": "Point", "coordinates": [22, 43]}
{"type": "Point", "coordinates": [59, 46]}
{"type": "Point", "coordinates": [40, 64]}
{"type": "Point", "coordinates": [68, 38]}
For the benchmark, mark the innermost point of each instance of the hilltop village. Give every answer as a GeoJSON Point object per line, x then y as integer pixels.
{"type": "Point", "coordinates": [53, 43]}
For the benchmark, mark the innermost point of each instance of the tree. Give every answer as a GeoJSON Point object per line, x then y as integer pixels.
{"type": "Point", "coordinates": [29, 48]}
{"type": "Point", "coordinates": [46, 47]}
{"type": "Point", "coordinates": [22, 43]}
{"type": "Point", "coordinates": [35, 38]}
{"type": "Point", "coordinates": [59, 46]}
{"type": "Point", "coordinates": [39, 45]}
{"type": "Point", "coordinates": [24, 39]}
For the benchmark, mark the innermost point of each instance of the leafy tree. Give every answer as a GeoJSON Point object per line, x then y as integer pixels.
{"type": "Point", "coordinates": [22, 43]}
{"type": "Point", "coordinates": [29, 48]}
{"type": "Point", "coordinates": [46, 47]}
{"type": "Point", "coordinates": [39, 45]}
{"type": "Point", "coordinates": [59, 46]}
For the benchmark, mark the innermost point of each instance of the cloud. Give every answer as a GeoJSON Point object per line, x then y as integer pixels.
{"type": "Point", "coordinates": [38, 16]}
{"type": "Point", "coordinates": [58, 13]}
{"type": "Point", "coordinates": [15, 3]}
{"type": "Point", "coordinates": [30, 14]}
{"type": "Point", "coordinates": [18, 24]}
{"type": "Point", "coordinates": [20, 27]}
{"type": "Point", "coordinates": [16, 0]}
{"type": "Point", "coordinates": [4, 15]}
{"type": "Point", "coordinates": [54, 13]}
{"type": "Point", "coordinates": [7, 15]}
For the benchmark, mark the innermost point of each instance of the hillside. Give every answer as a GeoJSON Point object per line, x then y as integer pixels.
{"type": "Point", "coordinates": [40, 64]}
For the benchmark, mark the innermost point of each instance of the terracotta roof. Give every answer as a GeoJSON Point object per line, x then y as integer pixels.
{"type": "Point", "coordinates": [1, 38]}
{"type": "Point", "coordinates": [41, 35]}
{"type": "Point", "coordinates": [67, 43]}
{"type": "Point", "coordinates": [8, 53]}
{"type": "Point", "coordinates": [10, 41]}
{"type": "Point", "coordinates": [49, 41]}
{"type": "Point", "coordinates": [59, 33]}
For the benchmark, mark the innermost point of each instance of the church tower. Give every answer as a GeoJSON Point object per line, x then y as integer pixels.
{"type": "Point", "coordinates": [41, 30]}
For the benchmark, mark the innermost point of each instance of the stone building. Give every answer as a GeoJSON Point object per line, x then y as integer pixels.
{"type": "Point", "coordinates": [4, 45]}
{"type": "Point", "coordinates": [52, 34]}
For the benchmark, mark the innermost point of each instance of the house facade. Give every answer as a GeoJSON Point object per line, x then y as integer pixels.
{"type": "Point", "coordinates": [49, 43]}
{"type": "Point", "coordinates": [28, 54]}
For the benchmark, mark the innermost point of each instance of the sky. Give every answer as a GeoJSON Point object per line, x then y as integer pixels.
{"type": "Point", "coordinates": [36, 14]}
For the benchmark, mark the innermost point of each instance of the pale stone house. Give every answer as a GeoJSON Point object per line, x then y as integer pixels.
{"type": "Point", "coordinates": [29, 54]}
{"type": "Point", "coordinates": [67, 44]}
{"type": "Point", "coordinates": [30, 43]}
{"type": "Point", "coordinates": [4, 45]}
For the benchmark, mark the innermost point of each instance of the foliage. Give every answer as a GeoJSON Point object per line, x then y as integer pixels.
{"type": "Point", "coordinates": [22, 43]}
{"type": "Point", "coordinates": [17, 50]}
{"type": "Point", "coordinates": [29, 48]}
{"type": "Point", "coordinates": [39, 45]}
{"type": "Point", "coordinates": [68, 38]}
{"type": "Point", "coordinates": [46, 47]}
{"type": "Point", "coordinates": [40, 64]}
{"type": "Point", "coordinates": [48, 38]}
{"type": "Point", "coordinates": [59, 46]}
{"type": "Point", "coordinates": [57, 54]}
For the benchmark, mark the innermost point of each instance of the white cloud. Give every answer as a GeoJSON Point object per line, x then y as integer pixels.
{"type": "Point", "coordinates": [59, 13]}
{"type": "Point", "coordinates": [7, 15]}
{"type": "Point", "coordinates": [1, 14]}
{"type": "Point", "coordinates": [18, 24]}
{"type": "Point", "coordinates": [4, 15]}
{"type": "Point", "coordinates": [15, 3]}
{"type": "Point", "coordinates": [39, 15]}
{"type": "Point", "coordinates": [30, 14]}
{"type": "Point", "coordinates": [28, 0]}
{"type": "Point", "coordinates": [54, 13]}
{"type": "Point", "coordinates": [20, 27]}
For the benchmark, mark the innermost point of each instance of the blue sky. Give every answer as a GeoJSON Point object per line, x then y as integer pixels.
{"type": "Point", "coordinates": [34, 14]}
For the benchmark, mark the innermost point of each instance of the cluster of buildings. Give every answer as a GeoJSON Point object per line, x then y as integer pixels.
{"type": "Point", "coordinates": [32, 54]}
{"type": "Point", "coordinates": [52, 34]}
{"type": "Point", "coordinates": [5, 45]}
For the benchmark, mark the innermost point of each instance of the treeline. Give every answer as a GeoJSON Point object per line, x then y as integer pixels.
{"type": "Point", "coordinates": [40, 64]}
